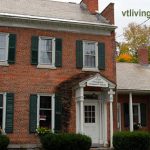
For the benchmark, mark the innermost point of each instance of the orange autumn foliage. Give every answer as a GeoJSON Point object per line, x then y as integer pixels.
{"type": "Point", "coordinates": [124, 57]}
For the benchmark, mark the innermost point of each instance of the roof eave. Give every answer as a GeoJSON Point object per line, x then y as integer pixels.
{"type": "Point", "coordinates": [57, 20]}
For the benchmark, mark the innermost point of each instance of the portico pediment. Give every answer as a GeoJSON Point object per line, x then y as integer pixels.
{"type": "Point", "coordinates": [97, 81]}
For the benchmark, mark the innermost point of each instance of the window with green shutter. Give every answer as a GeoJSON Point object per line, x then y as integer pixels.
{"type": "Point", "coordinates": [1, 110]}
{"type": "Point", "coordinates": [126, 114]}
{"type": "Point", "coordinates": [33, 113]}
{"type": "Point", "coordinates": [12, 48]}
{"type": "Point", "coordinates": [143, 114]}
{"type": "Point", "coordinates": [58, 112]}
{"type": "Point", "coordinates": [46, 52]}
{"type": "Point", "coordinates": [90, 55]}
{"type": "Point", "coordinates": [7, 48]}
{"type": "Point", "coordinates": [79, 54]}
{"type": "Point", "coordinates": [101, 56]}
{"type": "Point", "coordinates": [58, 52]}
{"type": "Point", "coordinates": [9, 112]}
{"type": "Point", "coordinates": [34, 50]}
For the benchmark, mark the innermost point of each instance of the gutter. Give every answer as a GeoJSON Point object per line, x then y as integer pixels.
{"type": "Point", "coordinates": [56, 20]}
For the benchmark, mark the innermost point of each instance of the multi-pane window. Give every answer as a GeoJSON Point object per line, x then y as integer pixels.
{"type": "Point", "coordinates": [46, 51]}
{"type": "Point", "coordinates": [89, 114]}
{"type": "Point", "coordinates": [3, 47]}
{"type": "Point", "coordinates": [1, 110]}
{"type": "Point", "coordinates": [136, 113]}
{"type": "Point", "coordinates": [45, 112]}
{"type": "Point", "coordinates": [89, 54]}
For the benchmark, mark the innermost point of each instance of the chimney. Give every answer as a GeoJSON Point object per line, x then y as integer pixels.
{"type": "Point", "coordinates": [108, 13]}
{"type": "Point", "coordinates": [92, 5]}
{"type": "Point", "coordinates": [143, 56]}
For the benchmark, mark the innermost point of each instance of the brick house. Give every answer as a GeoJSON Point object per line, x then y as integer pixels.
{"type": "Point", "coordinates": [57, 70]}
{"type": "Point", "coordinates": [133, 93]}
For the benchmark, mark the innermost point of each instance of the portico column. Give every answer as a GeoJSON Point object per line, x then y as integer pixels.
{"type": "Point", "coordinates": [111, 93]}
{"type": "Point", "coordinates": [81, 109]}
{"type": "Point", "coordinates": [131, 112]}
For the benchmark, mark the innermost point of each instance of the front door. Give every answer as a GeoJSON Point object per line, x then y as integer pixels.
{"type": "Point", "coordinates": [92, 120]}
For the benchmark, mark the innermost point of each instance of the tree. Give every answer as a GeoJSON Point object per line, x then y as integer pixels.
{"type": "Point", "coordinates": [135, 36]}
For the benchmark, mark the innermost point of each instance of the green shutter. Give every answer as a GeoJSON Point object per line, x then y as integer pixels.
{"type": "Point", "coordinates": [58, 53]}
{"type": "Point", "coordinates": [58, 112]}
{"type": "Point", "coordinates": [101, 56]}
{"type": "Point", "coordinates": [126, 115]}
{"type": "Point", "coordinates": [34, 50]}
{"type": "Point", "coordinates": [79, 54]}
{"type": "Point", "coordinates": [143, 114]}
{"type": "Point", "coordinates": [33, 113]}
{"type": "Point", "coordinates": [9, 112]}
{"type": "Point", "coordinates": [12, 48]}
{"type": "Point", "coordinates": [1, 100]}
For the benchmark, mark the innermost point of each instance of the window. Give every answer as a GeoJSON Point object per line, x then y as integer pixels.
{"type": "Point", "coordinates": [45, 111]}
{"type": "Point", "coordinates": [90, 51]}
{"type": "Point", "coordinates": [3, 47]}
{"type": "Point", "coordinates": [89, 114]}
{"type": "Point", "coordinates": [46, 51]}
{"type": "Point", "coordinates": [1, 110]}
{"type": "Point", "coordinates": [136, 113]}
{"type": "Point", "coordinates": [139, 114]}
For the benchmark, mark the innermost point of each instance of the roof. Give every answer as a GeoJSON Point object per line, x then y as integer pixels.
{"type": "Point", "coordinates": [134, 77]}
{"type": "Point", "coordinates": [49, 9]}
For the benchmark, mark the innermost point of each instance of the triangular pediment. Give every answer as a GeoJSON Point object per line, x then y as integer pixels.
{"type": "Point", "coordinates": [97, 81]}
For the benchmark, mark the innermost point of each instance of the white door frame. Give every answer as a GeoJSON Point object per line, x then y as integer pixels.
{"type": "Point", "coordinates": [102, 114]}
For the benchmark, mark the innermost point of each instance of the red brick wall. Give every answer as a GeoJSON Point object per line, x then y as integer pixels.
{"type": "Point", "coordinates": [92, 5]}
{"type": "Point", "coordinates": [124, 98]}
{"type": "Point", "coordinates": [108, 13]}
{"type": "Point", "coordinates": [23, 79]}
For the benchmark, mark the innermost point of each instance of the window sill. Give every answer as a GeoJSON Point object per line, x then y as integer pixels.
{"type": "Point", "coordinates": [90, 69]}
{"type": "Point", "coordinates": [4, 64]}
{"type": "Point", "coordinates": [46, 67]}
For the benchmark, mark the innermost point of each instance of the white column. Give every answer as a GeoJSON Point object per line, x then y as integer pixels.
{"type": "Point", "coordinates": [111, 93]}
{"type": "Point", "coordinates": [105, 124]}
{"type": "Point", "coordinates": [81, 109]}
{"type": "Point", "coordinates": [131, 112]}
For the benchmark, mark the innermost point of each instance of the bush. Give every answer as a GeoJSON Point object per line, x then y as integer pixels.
{"type": "Point", "coordinates": [66, 141]}
{"type": "Point", "coordinates": [137, 140]}
{"type": "Point", "coordinates": [42, 131]}
{"type": "Point", "coordinates": [4, 141]}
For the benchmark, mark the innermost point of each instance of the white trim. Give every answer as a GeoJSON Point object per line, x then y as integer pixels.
{"type": "Point", "coordinates": [5, 61]}
{"type": "Point", "coordinates": [40, 65]}
{"type": "Point", "coordinates": [84, 82]}
{"type": "Point", "coordinates": [4, 112]}
{"type": "Point", "coordinates": [38, 110]}
{"type": "Point", "coordinates": [119, 116]}
{"type": "Point", "coordinates": [52, 109]}
{"type": "Point", "coordinates": [139, 111]}
{"type": "Point", "coordinates": [130, 112]}
{"type": "Point", "coordinates": [10, 15]}
{"type": "Point", "coordinates": [53, 112]}
{"type": "Point", "coordinates": [96, 57]}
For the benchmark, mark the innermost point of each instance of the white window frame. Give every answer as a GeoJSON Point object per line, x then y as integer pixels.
{"type": "Point", "coordinates": [5, 62]}
{"type": "Point", "coordinates": [96, 57]}
{"type": "Point", "coordinates": [52, 110]}
{"type": "Point", "coordinates": [139, 111]}
{"type": "Point", "coordinates": [4, 111]}
{"type": "Point", "coordinates": [51, 66]}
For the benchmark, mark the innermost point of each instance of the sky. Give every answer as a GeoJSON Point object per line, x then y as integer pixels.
{"type": "Point", "coordinates": [123, 5]}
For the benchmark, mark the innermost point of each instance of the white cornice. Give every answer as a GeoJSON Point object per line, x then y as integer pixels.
{"type": "Point", "coordinates": [56, 20]}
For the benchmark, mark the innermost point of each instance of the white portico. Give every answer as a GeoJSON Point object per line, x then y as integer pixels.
{"type": "Point", "coordinates": [91, 109]}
